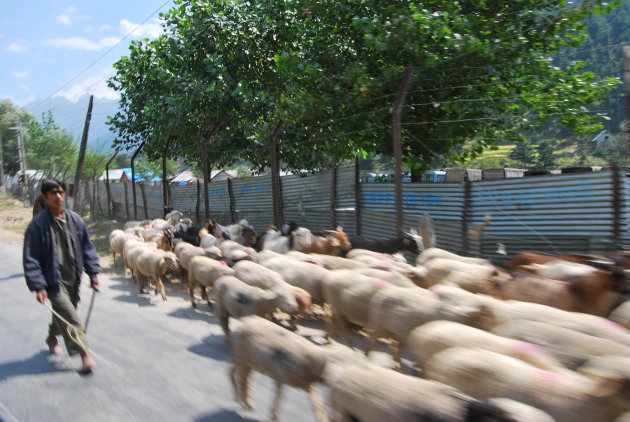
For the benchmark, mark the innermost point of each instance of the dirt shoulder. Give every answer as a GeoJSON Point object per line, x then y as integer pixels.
{"type": "Point", "coordinates": [14, 219]}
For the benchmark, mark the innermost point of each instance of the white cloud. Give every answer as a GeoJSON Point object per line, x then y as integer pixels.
{"type": "Point", "coordinates": [101, 28]}
{"type": "Point", "coordinates": [94, 85]}
{"type": "Point", "coordinates": [149, 29]}
{"type": "Point", "coordinates": [78, 43]}
{"type": "Point", "coordinates": [65, 18]}
{"type": "Point", "coordinates": [20, 101]}
{"type": "Point", "coordinates": [16, 47]}
{"type": "Point", "coordinates": [24, 74]}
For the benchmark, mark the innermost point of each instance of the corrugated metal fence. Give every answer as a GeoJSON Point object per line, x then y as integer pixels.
{"type": "Point", "coordinates": [556, 214]}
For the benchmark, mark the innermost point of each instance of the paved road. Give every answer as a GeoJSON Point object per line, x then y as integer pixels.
{"type": "Point", "coordinates": [157, 361]}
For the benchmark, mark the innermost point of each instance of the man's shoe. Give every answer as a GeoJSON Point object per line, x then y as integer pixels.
{"type": "Point", "coordinates": [88, 363]}
{"type": "Point", "coordinates": [53, 346]}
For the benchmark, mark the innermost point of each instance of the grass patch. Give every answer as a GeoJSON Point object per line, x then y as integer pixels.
{"type": "Point", "coordinates": [8, 203]}
{"type": "Point", "coordinates": [99, 234]}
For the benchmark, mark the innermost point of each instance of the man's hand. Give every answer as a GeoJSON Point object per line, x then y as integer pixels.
{"type": "Point", "coordinates": [42, 296]}
{"type": "Point", "coordinates": [94, 283]}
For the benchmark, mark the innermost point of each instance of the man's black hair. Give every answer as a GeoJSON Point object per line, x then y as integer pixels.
{"type": "Point", "coordinates": [50, 184]}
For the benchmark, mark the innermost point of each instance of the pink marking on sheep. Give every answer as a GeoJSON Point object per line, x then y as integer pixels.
{"type": "Point", "coordinates": [526, 348]}
{"type": "Point", "coordinates": [548, 377]}
{"type": "Point", "coordinates": [225, 264]}
{"type": "Point", "coordinates": [311, 265]}
{"type": "Point", "coordinates": [380, 283]}
{"type": "Point", "coordinates": [436, 288]}
{"type": "Point", "coordinates": [612, 324]}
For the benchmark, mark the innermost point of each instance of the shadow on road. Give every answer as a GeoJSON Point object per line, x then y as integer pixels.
{"type": "Point", "coordinates": [35, 365]}
{"type": "Point", "coordinates": [9, 277]}
{"type": "Point", "coordinates": [214, 347]}
{"type": "Point", "coordinates": [190, 313]}
{"type": "Point", "coordinates": [136, 299]}
{"type": "Point", "coordinates": [226, 416]}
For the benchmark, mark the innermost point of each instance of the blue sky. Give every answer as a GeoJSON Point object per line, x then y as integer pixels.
{"type": "Point", "coordinates": [58, 48]}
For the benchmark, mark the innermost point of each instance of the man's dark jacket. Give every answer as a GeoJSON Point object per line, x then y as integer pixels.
{"type": "Point", "coordinates": [40, 251]}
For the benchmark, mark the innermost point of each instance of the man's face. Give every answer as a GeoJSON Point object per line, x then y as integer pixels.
{"type": "Point", "coordinates": [54, 198]}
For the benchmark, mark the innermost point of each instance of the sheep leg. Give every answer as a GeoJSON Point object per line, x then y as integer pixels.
{"type": "Point", "coordinates": [160, 287]}
{"type": "Point", "coordinates": [224, 322]}
{"type": "Point", "coordinates": [371, 342]}
{"type": "Point", "coordinates": [342, 324]}
{"type": "Point", "coordinates": [293, 322]}
{"type": "Point", "coordinates": [181, 273]}
{"type": "Point", "coordinates": [233, 373]}
{"type": "Point", "coordinates": [330, 329]}
{"type": "Point", "coordinates": [204, 295]}
{"type": "Point", "coordinates": [191, 287]}
{"type": "Point", "coordinates": [242, 378]}
{"type": "Point", "coordinates": [276, 401]}
{"type": "Point", "coordinates": [397, 346]}
{"type": "Point", "coordinates": [140, 280]}
{"type": "Point", "coordinates": [318, 407]}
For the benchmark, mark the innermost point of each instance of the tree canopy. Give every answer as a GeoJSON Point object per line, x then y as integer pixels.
{"type": "Point", "coordinates": [330, 70]}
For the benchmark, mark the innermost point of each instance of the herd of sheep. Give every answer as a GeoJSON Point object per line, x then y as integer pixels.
{"type": "Point", "coordinates": [470, 341]}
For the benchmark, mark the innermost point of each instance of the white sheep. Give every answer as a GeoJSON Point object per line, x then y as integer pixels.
{"type": "Point", "coordinates": [431, 338]}
{"type": "Point", "coordinates": [475, 278]}
{"type": "Point", "coordinates": [395, 311]}
{"type": "Point", "coordinates": [298, 240]}
{"type": "Point", "coordinates": [236, 299]}
{"type": "Point", "coordinates": [285, 357]}
{"type": "Point", "coordinates": [621, 314]}
{"type": "Point", "coordinates": [348, 295]}
{"type": "Point", "coordinates": [204, 271]}
{"type": "Point", "coordinates": [257, 275]}
{"type": "Point", "coordinates": [566, 397]}
{"type": "Point", "coordinates": [569, 346]}
{"type": "Point", "coordinates": [117, 239]}
{"type": "Point", "coordinates": [368, 393]}
{"type": "Point", "coordinates": [153, 264]}
{"type": "Point", "coordinates": [185, 252]}
{"type": "Point", "coordinates": [131, 249]}
{"type": "Point", "coordinates": [301, 274]}
{"type": "Point", "coordinates": [434, 253]}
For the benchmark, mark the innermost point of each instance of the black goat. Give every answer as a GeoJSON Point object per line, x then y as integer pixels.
{"type": "Point", "coordinates": [190, 235]}
{"type": "Point", "coordinates": [410, 242]}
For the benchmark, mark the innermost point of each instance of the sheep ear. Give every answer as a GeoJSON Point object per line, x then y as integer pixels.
{"type": "Point", "coordinates": [335, 242]}
{"type": "Point", "coordinates": [339, 228]}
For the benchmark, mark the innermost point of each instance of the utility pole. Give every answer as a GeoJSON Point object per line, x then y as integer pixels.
{"type": "Point", "coordinates": [3, 188]}
{"type": "Point", "coordinates": [77, 176]}
{"type": "Point", "coordinates": [22, 160]}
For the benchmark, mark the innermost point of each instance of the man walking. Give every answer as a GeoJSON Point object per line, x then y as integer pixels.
{"type": "Point", "coordinates": [57, 249]}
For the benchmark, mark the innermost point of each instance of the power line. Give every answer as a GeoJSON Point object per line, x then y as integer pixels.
{"type": "Point", "coordinates": [104, 54]}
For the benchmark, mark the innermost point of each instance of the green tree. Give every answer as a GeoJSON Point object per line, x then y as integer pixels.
{"type": "Point", "coordinates": [331, 69]}
{"type": "Point", "coordinates": [51, 149]}
{"type": "Point", "coordinates": [10, 117]}
{"type": "Point", "coordinates": [523, 152]}
{"type": "Point", "coordinates": [545, 155]}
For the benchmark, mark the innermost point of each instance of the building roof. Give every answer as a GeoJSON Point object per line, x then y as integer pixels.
{"type": "Point", "coordinates": [184, 177]}
{"type": "Point", "coordinates": [125, 175]}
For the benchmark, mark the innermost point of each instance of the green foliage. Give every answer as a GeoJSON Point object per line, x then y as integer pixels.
{"type": "Point", "coordinates": [147, 169]}
{"type": "Point", "coordinates": [545, 158]}
{"type": "Point", "coordinates": [330, 70]}
{"type": "Point", "coordinates": [10, 117]}
{"type": "Point", "coordinates": [51, 149]}
{"type": "Point", "coordinates": [523, 153]}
